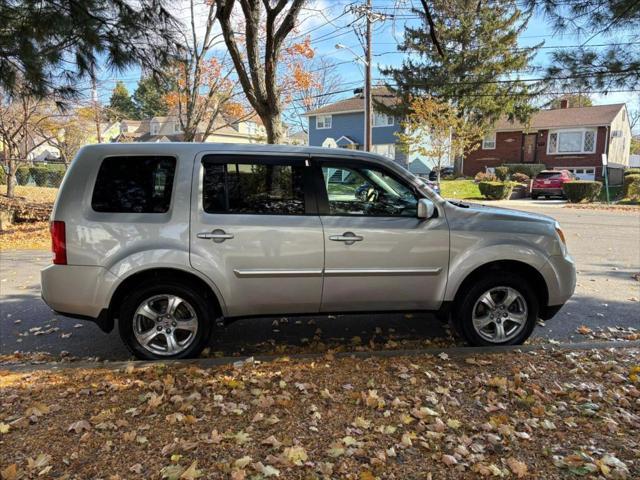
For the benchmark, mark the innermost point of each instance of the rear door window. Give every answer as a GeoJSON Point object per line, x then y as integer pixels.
{"type": "Point", "coordinates": [134, 184]}
{"type": "Point", "coordinates": [246, 187]}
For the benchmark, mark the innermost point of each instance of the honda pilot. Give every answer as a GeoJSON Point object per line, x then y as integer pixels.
{"type": "Point", "coordinates": [166, 239]}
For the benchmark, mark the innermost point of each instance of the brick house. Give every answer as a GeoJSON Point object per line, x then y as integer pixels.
{"type": "Point", "coordinates": [571, 138]}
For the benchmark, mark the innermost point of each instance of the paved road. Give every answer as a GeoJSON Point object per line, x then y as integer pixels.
{"type": "Point", "coordinates": [606, 246]}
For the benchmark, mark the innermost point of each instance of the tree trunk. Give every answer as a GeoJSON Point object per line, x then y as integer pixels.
{"type": "Point", "coordinates": [11, 178]}
{"type": "Point", "coordinates": [273, 126]}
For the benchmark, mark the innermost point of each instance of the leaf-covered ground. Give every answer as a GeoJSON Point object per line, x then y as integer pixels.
{"type": "Point", "coordinates": [26, 236]}
{"type": "Point", "coordinates": [539, 415]}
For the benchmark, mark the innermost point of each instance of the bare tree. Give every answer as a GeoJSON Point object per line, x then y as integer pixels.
{"type": "Point", "coordinates": [205, 91]}
{"type": "Point", "coordinates": [266, 26]}
{"type": "Point", "coordinates": [23, 123]}
{"type": "Point", "coordinates": [317, 93]}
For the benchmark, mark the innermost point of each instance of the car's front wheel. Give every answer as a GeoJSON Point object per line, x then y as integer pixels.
{"type": "Point", "coordinates": [498, 310]}
{"type": "Point", "coordinates": [164, 321]}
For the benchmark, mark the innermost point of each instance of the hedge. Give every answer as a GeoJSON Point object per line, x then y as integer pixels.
{"type": "Point", "coordinates": [496, 190]}
{"type": "Point", "coordinates": [582, 190]}
{"type": "Point", "coordinates": [529, 169]}
{"type": "Point", "coordinates": [22, 175]}
{"type": "Point", "coordinates": [47, 175]}
{"type": "Point", "coordinates": [632, 186]}
{"type": "Point", "coordinates": [632, 171]}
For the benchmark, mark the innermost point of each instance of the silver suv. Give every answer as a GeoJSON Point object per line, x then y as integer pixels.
{"type": "Point", "coordinates": [166, 239]}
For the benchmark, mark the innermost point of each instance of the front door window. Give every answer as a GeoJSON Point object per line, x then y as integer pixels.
{"type": "Point", "coordinates": [367, 191]}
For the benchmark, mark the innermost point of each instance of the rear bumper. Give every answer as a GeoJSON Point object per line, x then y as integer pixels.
{"type": "Point", "coordinates": [77, 291]}
{"type": "Point", "coordinates": [547, 191]}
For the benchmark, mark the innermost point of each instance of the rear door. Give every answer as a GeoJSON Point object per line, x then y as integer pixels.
{"type": "Point", "coordinates": [378, 254]}
{"type": "Point", "coordinates": [256, 233]}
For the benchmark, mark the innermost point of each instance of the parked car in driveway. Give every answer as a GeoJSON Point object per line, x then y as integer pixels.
{"type": "Point", "coordinates": [548, 183]}
{"type": "Point", "coordinates": [445, 172]}
{"type": "Point", "coordinates": [166, 239]}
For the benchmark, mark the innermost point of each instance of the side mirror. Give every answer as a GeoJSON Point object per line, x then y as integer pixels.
{"type": "Point", "coordinates": [426, 208]}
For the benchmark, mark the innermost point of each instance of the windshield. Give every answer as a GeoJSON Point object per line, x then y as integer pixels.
{"type": "Point", "coordinates": [549, 175]}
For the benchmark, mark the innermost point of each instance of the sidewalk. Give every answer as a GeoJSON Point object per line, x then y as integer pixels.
{"type": "Point", "coordinates": [456, 415]}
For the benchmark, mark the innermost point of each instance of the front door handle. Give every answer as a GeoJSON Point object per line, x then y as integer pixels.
{"type": "Point", "coordinates": [218, 235]}
{"type": "Point", "coordinates": [349, 238]}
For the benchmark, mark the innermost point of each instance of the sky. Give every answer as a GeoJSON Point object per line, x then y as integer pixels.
{"type": "Point", "coordinates": [327, 23]}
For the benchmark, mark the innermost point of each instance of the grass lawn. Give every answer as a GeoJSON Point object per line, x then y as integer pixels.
{"type": "Point", "coordinates": [34, 194]}
{"type": "Point", "coordinates": [460, 189]}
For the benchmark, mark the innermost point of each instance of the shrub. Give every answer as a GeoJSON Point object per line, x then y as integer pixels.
{"type": "Point", "coordinates": [484, 177]}
{"type": "Point", "coordinates": [632, 171]}
{"type": "Point", "coordinates": [39, 175]}
{"type": "Point", "coordinates": [47, 175]}
{"type": "Point", "coordinates": [496, 190]}
{"type": "Point", "coordinates": [529, 169]}
{"type": "Point", "coordinates": [582, 190]}
{"type": "Point", "coordinates": [502, 173]}
{"type": "Point", "coordinates": [22, 175]}
{"type": "Point", "coordinates": [632, 186]}
{"type": "Point", "coordinates": [519, 177]}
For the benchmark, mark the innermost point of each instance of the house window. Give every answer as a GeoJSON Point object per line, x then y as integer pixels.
{"type": "Point", "coordinates": [323, 121]}
{"type": "Point", "coordinates": [386, 149]}
{"type": "Point", "coordinates": [382, 120]}
{"type": "Point", "coordinates": [252, 128]}
{"type": "Point", "coordinates": [489, 141]}
{"type": "Point", "coordinates": [572, 141]}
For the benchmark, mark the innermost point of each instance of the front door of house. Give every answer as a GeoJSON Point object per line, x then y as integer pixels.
{"type": "Point", "coordinates": [529, 148]}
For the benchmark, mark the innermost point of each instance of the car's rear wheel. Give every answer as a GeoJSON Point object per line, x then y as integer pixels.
{"type": "Point", "coordinates": [498, 310]}
{"type": "Point", "coordinates": [165, 321]}
{"type": "Point", "coordinates": [534, 196]}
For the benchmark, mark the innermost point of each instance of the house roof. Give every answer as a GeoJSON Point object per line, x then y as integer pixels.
{"type": "Point", "coordinates": [418, 167]}
{"type": "Point", "coordinates": [356, 103]}
{"type": "Point", "coordinates": [595, 116]}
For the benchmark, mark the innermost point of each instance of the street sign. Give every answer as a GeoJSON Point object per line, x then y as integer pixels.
{"type": "Point", "coordinates": [604, 159]}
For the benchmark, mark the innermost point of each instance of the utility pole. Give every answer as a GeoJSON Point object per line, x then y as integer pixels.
{"type": "Point", "coordinates": [367, 82]}
{"type": "Point", "coordinates": [96, 108]}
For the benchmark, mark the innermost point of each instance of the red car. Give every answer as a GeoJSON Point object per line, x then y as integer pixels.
{"type": "Point", "coordinates": [549, 183]}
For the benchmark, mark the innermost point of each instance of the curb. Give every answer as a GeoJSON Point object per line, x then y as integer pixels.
{"type": "Point", "coordinates": [451, 352]}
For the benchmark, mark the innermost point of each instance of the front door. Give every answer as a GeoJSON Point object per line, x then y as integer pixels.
{"type": "Point", "coordinates": [255, 233]}
{"type": "Point", "coordinates": [529, 148]}
{"type": "Point", "coordinates": [378, 254]}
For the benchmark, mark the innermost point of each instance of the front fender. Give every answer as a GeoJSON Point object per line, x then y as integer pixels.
{"type": "Point", "coordinates": [464, 263]}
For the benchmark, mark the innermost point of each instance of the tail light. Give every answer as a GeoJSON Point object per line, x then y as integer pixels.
{"type": "Point", "coordinates": [58, 243]}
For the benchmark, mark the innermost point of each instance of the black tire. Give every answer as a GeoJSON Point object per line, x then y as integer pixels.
{"type": "Point", "coordinates": [464, 311]}
{"type": "Point", "coordinates": [195, 299]}
{"type": "Point", "coordinates": [534, 196]}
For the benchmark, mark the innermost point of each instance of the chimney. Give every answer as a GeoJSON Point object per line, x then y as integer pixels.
{"type": "Point", "coordinates": [564, 103]}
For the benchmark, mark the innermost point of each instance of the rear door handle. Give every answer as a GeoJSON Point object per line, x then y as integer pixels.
{"type": "Point", "coordinates": [218, 235]}
{"type": "Point", "coordinates": [349, 238]}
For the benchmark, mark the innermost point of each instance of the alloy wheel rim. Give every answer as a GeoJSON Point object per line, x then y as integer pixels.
{"type": "Point", "coordinates": [500, 314]}
{"type": "Point", "coordinates": [165, 325]}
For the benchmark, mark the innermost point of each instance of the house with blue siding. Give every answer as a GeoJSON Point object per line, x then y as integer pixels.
{"type": "Point", "coordinates": [341, 125]}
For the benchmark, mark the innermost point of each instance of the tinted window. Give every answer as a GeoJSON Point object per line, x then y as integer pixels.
{"type": "Point", "coordinates": [134, 185]}
{"type": "Point", "coordinates": [364, 191]}
{"type": "Point", "coordinates": [252, 189]}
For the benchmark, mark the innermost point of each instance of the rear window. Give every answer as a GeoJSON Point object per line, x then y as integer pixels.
{"type": "Point", "coordinates": [134, 184]}
{"type": "Point", "coordinates": [549, 175]}
{"type": "Point", "coordinates": [252, 188]}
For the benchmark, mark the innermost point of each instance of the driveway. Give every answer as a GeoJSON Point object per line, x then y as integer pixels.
{"type": "Point", "coordinates": [606, 246]}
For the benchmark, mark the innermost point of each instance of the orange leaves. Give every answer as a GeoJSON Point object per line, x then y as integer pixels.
{"type": "Point", "coordinates": [303, 49]}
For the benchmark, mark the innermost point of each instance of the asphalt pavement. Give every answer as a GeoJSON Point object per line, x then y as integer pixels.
{"type": "Point", "coordinates": [605, 245]}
